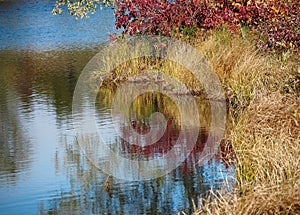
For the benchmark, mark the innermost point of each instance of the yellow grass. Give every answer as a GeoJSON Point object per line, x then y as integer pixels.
{"type": "Point", "coordinates": [263, 90]}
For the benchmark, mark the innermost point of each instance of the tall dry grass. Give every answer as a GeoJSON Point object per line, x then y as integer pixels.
{"type": "Point", "coordinates": [266, 141]}
{"type": "Point", "coordinates": [263, 90]}
{"type": "Point", "coordinates": [245, 71]}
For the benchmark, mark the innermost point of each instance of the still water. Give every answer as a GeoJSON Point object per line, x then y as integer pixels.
{"type": "Point", "coordinates": [42, 168]}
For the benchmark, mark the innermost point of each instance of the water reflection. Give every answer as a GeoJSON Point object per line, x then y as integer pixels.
{"type": "Point", "coordinates": [51, 75]}
{"type": "Point", "coordinates": [93, 192]}
{"type": "Point", "coordinates": [36, 96]}
{"type": "Point", "coordinates": [14, 146]}
{"type": "Point", "coordinates": [29, 24]}
{"type": "Point", "coordinates": [134, 133]}
{"type": "Point", "coordinates": [42, 168]}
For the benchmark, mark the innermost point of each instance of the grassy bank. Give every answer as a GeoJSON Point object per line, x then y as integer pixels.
{"type": "Point", "coordinates": [263, 93]}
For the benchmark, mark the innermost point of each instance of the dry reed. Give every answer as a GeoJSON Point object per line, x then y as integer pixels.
{"type": "Point", "coordinates": [264, 90]}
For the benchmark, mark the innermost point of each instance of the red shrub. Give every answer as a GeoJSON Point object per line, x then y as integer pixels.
{"type": "Point", "coordinates": [277, 22]}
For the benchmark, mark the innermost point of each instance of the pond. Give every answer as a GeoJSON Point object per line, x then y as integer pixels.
{"type": "Point", "coordinates": [42, 168]}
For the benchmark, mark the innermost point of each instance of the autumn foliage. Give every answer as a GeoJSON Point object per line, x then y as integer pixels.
{"type": "Point", "coordinates": [277, 22]}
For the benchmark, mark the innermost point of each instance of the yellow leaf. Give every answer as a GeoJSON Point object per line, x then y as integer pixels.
{"type": "Point", "coordinates": [275, 9]}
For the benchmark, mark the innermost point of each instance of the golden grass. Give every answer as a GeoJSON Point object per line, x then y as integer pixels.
{"type": "Point", "coordinates": [242, 69]}
{"type": "Point", "coordinates": [266, 141]}
{"type": "Point", "coordinates": [264, 90]}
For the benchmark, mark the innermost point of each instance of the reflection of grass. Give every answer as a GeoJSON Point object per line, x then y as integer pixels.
{"type": "Point", "coordinates": [146, 104]}
{"type": "Point", "coordinates": [263, 93]}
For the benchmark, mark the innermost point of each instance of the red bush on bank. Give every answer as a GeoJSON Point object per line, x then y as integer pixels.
{"type": "Point", "coordinates": [277, 22]}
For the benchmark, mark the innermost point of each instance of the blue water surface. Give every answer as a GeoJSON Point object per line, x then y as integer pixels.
{"type": "Point", "coordinates": [31, 25]}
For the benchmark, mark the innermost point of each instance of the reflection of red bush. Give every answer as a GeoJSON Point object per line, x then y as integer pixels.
{"type": "Point", "coordinates": [165, 144]}
{"type": "Point", "coordinates": [141, 128]}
